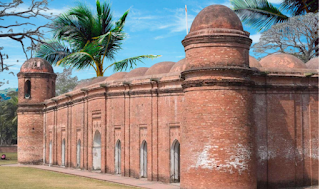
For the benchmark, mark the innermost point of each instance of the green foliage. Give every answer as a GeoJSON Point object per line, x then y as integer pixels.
{"type": "Point", "coordinates": [261, 15]}
{"type": "Point", "coordinates": [9, 119]}
{"type": "Point", "coordinates": [83, 39]}
{"type": "Point", "coordinates": [64, 82]}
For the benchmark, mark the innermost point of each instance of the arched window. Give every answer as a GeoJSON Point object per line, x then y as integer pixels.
{"type": "Point", "coordinates": [50, 153]}
{"type": "Point", "coordinates": [27, 89]}
{"type": "Point", "coordinates": [96, 151]}
{"type": "Point", "coordinates": [117, 157]}
{"type": "Point", "coordinates": [143, 159]}
{"type": "Point", "coordinates": [175, 161]}
{"type": "Point", "coordinates": [78, 153]}
{"type": "Point", "coordinates": [63, 152]}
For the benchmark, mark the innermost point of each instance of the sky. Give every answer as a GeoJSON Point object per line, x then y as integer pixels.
{"type": "Point", "coordinates": [153, 27]}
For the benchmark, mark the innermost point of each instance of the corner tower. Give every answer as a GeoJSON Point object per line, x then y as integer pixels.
{"type": "Point", "coordinates": [36, 82]}
{"type": "Point", "coordinates": [217, 133]}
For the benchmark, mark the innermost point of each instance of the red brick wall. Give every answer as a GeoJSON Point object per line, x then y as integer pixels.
{"type": "Point", "coordinates": [8, 149]}
{"type": "Point", "coordinates": [30, 137]}
{"type": "Point", "coordinates": [286, 124]}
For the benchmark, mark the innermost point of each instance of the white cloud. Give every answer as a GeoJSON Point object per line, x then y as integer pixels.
{"type": "Point", "coordinates": [275, 1]}
{"type": "Point", "coordinates": [255, 37]}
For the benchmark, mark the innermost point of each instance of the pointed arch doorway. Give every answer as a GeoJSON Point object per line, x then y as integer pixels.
{"type": "Point", "coordinates": [63, 152]}
{"type": "Point", "coordinates": [175, 161]}
{"type": "Point", "coordinates": [96, 151]}
{"type": "Point", "coordinates": [117, 157]}
{"type": "Point", "coordinates": [143, 159]}
{"type": "Point", "coordinates": [78, 153]}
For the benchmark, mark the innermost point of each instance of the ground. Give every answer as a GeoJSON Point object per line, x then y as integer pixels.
{"type": "Point", "coordinates": [11, 159]}
{"type": "Point", "coordinates": [26, 177]}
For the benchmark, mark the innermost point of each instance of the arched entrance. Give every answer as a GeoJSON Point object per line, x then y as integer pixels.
{"type": "Point", "coordinates": [117, 157]}
{"type": "Point", "coordinates": [78, 152]}
{"type": "Point", "coordinates": [96, 151]}
{"type": "Point", "coordinates": [175, 161]}
{"type": "Point", "coordinates": [143, 159]}
{"type": "Point", "coordinates": [50, 153]}
{"type": "Point", "coordinates": [63, 152]}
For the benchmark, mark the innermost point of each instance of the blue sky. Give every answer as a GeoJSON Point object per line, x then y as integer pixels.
{"type": "Point", "coordinates": [153, 27]}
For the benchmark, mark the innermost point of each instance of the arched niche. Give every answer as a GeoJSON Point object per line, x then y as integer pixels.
{"type": "Point", "coordinates": [96, 151]}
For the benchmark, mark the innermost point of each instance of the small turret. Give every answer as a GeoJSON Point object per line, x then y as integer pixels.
{"type": "Point", "coordinates": [36, 82]}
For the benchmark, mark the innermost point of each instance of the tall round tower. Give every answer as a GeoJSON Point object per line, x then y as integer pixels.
{"type": "Point", "coordinates": [217, 133]}
{"type": "Point", "coordinates": [36, 82]}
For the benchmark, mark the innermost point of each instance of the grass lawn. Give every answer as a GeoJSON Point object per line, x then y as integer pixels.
{"type": "Point", "coordinates": [25, 177]}
{"type": "Point", "coordinates": [11, 159]}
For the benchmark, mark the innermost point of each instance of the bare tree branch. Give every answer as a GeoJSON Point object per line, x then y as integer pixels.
{"type": "Point", "coordinates": [27, 23]}
{"type": "Point", "coordinates": [36, 9]}
{"type": "Point", "coordinates": [297, 37]}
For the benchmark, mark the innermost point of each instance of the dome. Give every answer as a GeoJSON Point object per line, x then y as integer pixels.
{"type": "Point", "coordinates": [136, 72]}
{"type": "Point", "coordinates": [313, 63]}
{"type": "Point", "coordinates": [180, 66]}
{"type": "Point", "coordinates": [116, 76]}
{"type": "Point", "coordinates": [36, 65]}
{"type": "Point", "coordinates": [216, 16]}
{"type": "Point", "coordinates": [159, 68]}
{"type": "Point", "coordinates": [281, 61]}
{"type": "Point", "coordinates": [254, 62]}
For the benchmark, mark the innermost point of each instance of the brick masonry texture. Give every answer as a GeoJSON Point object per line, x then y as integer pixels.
{"type": "Point", "coordinates": [237, 127]}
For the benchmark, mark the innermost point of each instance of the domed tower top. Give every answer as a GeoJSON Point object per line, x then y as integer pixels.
{"type": "Point", "coordinates": [36, 65]}
{"type": "Point", "coordinates": [36, 81]}
{"type": "Point", "coordinates": [216, 16]}
{"type": "Point", "coordinates": [217, 39]}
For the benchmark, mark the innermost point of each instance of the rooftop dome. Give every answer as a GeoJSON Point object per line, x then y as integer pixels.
{"type": "Point", "coordinates": [159, 68]}
{"type": "Point", "coordinates": [216, 16]}
{"type": "Point", "coordinates": [116, 76]}
{"type": "Point", "coordinates": [254, 62]}
{"type": "Point", "coordinates": [36, 65]}
{"type": "Point", "coordinates": [313, 63]}
{"type": "Point", "coordinates": [281, 61]}
{"type": "Point", "coordinates": [136, 72]}
{"type": "Point", "coordinates": [180, 66]}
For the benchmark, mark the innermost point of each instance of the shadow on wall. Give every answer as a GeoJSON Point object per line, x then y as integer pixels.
{"type": "Point", "coordinates": [287, 145]}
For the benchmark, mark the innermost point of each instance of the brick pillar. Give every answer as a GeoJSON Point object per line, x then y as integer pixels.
{"type": "Point", "coordinates": [217, 134]}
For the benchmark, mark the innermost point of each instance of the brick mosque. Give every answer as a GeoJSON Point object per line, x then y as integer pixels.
{"type": "Point", "coordinates": [218, 118]}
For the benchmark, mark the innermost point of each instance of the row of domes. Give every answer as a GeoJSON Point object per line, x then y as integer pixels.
{"type": "Point", "coordinates": [278, 61]}
{"type": "Point", "coordinates": [283, 61]}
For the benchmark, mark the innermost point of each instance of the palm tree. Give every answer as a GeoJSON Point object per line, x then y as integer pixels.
{"type": "Point", "coordinates": [261, 15]}
{"type": "Point", "coordinates": [91, 39]}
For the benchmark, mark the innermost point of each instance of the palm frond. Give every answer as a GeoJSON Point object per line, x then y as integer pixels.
{"type": "Point", "coordinates": [298, 7]}
{"type": "Point", "coordinates": [120, 23]}
{"type": "Point", "coordinates": [130, 62]}
{"type": "Point", "coordinates": [104, 17]}
{"type": "Point", "coordinates": [260, 14]}
{"type": "Point", "coordinates": [88, 56]}
{"type": "Point", "coordinates": [53, 51]}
